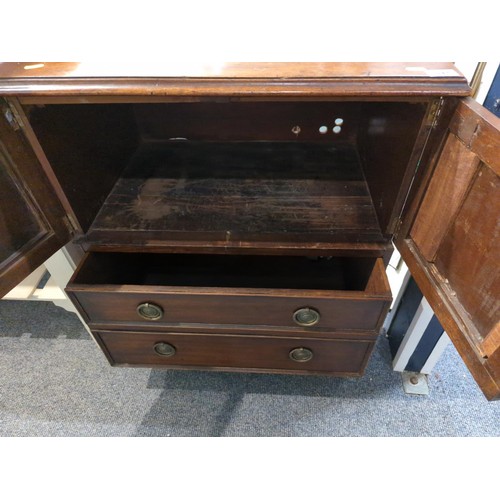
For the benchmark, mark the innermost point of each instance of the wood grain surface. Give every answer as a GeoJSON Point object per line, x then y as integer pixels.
{"type": "Point", "coordinates": [469, 256]}
{"type": "Point", "coordinates": [240, 192]}
{"type": "Point", "coordinates": [444, 196]}
{"type": "Point", "coordinates": [461, 205]}
{"type": "Point", "coordinates": [32, 224]}
{"type": "Point", "coordinates": [271, 354]}
{"type": "Point", "coordinates": [238, 290]}
{"type": "Point", "coordinates": [231, 79]}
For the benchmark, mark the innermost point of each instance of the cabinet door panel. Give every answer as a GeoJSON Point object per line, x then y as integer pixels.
{"type": "Point", "coordinates": [453, 245]}
{"type": "Point", "coordinates": [32, 224]}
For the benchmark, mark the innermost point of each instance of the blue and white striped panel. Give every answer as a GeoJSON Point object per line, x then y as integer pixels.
{"type": "Point", "coordinates": [416, 337]}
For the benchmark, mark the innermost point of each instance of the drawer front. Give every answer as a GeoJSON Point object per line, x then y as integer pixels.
{"type": "Point", "coordinates": [181, 308]}
{"type": "Point", "coordinates": [233, 352]}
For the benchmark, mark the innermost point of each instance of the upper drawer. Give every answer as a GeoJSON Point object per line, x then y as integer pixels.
{"type": "Point", "coordinates": [247, 290]}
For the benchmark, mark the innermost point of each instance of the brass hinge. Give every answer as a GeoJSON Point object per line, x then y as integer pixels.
{"type": "Point", "coordinates": [434, 112]}
{"type": "Point", "coordinates": [397, 228]}
{"type": "Point", "coordinates": [11, 115]}
{"type": "Point", "coordinates": [71, 224]}
{"type": "Point", "coordinates": [431, 121]}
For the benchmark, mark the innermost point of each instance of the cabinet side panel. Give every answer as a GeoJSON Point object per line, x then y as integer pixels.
{"type": "Point", "coordinates": [386, 142]}
{"type": "Point", "coordinates": [87, 146]}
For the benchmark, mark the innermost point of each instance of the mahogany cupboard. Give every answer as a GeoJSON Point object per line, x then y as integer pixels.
{"type": "Point", "coordinates": [239, 216]}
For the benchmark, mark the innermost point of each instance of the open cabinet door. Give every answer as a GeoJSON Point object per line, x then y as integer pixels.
{"type": "Point", "coordinates": [32, 220]}
{"type": "Point", "coordinates": [450, 240]}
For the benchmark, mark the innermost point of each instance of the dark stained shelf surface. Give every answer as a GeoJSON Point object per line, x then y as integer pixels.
{"type": "Point", "coordinates": [250, 191]}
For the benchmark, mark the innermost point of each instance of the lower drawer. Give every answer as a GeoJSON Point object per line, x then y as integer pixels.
{"type": "Point", "coordinates": [236, 352]}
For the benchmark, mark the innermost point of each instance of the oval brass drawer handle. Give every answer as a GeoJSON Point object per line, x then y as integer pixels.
{"type": "Point", "coordinates": [305, 316]}
{"type": "Point", "coordinates": [164, 349]}
{"type": "Point", "coordinates": [149, 311]}
{"type": "Point", "coordinates": [301, 354]}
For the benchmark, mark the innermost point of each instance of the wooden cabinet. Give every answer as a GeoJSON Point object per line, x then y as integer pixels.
{"type": "Point", "coordinates": [239, 217]}
{"type": "Point", "coordinates": [451, 239]}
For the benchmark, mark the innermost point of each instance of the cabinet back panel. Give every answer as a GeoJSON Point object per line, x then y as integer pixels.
{"type": "Point", "coordinates": [249, 121]}
{"type": "Point", "coordinates": [87, 146]}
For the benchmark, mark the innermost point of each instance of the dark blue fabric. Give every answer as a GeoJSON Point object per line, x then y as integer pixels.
{"type": "Point", "coordinates": [492, 101]}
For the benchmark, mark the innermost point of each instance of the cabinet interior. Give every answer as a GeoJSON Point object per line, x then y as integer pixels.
{"type": "Point", "coordinates": [232, 271]}
{"type": "Point", "coordinates": [232, 172]}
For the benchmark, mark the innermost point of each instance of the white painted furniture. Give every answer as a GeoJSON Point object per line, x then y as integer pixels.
{"type": "Point", "coordinates": [60, 268]}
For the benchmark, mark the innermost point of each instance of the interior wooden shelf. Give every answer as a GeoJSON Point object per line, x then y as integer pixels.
{"type": "Point", "coordinates": [239, 192]}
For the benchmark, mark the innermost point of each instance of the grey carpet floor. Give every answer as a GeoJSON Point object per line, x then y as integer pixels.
{"type": "Point", "coordinates": [54, 381]}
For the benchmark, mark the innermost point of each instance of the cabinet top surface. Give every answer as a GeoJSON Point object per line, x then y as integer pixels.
{"type": "Point", "coordinates": [237, 79]}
